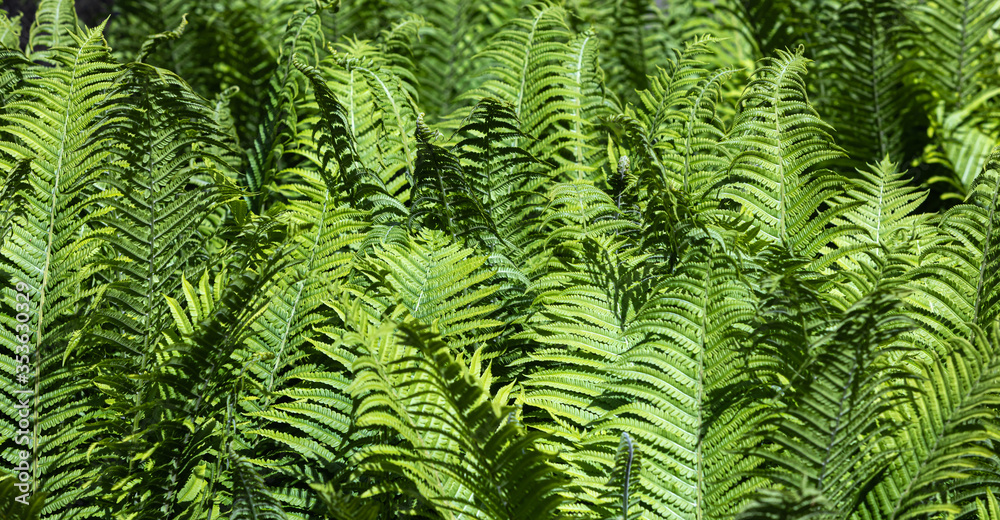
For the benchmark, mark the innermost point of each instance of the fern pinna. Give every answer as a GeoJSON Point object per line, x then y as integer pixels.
{"type": "Point", "coordinates": [296, 259]}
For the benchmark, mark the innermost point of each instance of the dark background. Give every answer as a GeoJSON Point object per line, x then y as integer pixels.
{"type": "Point", "coordinates": [90, 12]}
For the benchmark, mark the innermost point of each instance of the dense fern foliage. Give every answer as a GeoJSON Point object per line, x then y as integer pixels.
{"type": "Point", "coordinates": [380, 259]}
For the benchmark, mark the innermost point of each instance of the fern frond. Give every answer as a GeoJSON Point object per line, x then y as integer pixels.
{"type": "Point", "coordinates": [279, 114]}
{"type": "Point", "coordinates": [55, 26]}
{"type": "Point", "coordinates": [866, 75]}
{"type": "Point", "coordinates": [441, 283]}
{"type": "Point", "coordinates": [10, 31]}
{"type": "Point", "coordinates": [779, 143]}
{"type": "Point", "coordinates": [497, 171]}
{"type": "Point", "coordinates": [536, 69]}
{"type": "Point", "coordinates": [363, 186]}
{"type": "Point", "coordinates": [681, 119]}
{"type": "Point", "coordinates": [833, 419]}
{"type": "Point", "coordinates": [251, 498]}
{"type": "Point", "coordinates": [55, 115]}
{"type": "Point", "coordinates": [458, 451]}
{"type": "Point", "coordinates": [380, 109]}
{"type": "Point", "coordinates": [947, 444]}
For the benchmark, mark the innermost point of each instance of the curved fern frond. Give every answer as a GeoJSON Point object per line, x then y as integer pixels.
{"type": "Point", "coordinates": [10, 31]}
{"type": "Point", "coordinates": [365, 189]}
{"type": "Point", "coordinates": [544, 77]}
{"type": "Point", "coordinates": [686, 403]}
{"type": "Point", "coordinates": [681, 118]}
{"type": "Point", "coordinates": [957, 280]}
{"type": "Point", "coordinates": [892, 236]}
{"type": "Point", "coordinates": [273, 131]}
{"type": "Point", "coordinates": [380, 110]}
{"type": "Point", "coordinates": [497, 171]}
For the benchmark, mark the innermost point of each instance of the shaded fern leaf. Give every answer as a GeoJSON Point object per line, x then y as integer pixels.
{"type": "Point", "coordinates": [867, 103]}
{"type": "Point", "coordinates": [831, 422]}
{"type": "Point", "coordinates": [272, 132]}
{"type": "Point", "coordinates": [251, 498]}
{"type": "Point", "coordinates": [498, 175]}
{"type": "Point", "coordinates": [457, 451]}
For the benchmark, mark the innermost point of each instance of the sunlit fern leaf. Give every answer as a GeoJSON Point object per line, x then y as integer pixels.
{"type": "Point", "coordinates": [963, 143]}
{"type": "Point", "coordinates": [681, 119]}
{"type": "Point", "coordinates": [363, 187]}
{"type": "Point", "coordinates": [594, 100]}
{"type": "Point", "coordinates": [579, 210]}
{"type": "Point", "coordinates": [533, 68]}
{"type": "Point", "coordinates": [10, 31]}
{"type": "Point", "coordinates": [628, 461]}
{"type": "Point", "coordinates": [55, 26]}
{"type": "Point", "coordinates": [778, 145]}
{"type": "Point", "coordinates": [889, 206]}
{"type": "Point", "coordinates": [272, 132]}
{"type": "Point", "coordinates": [297, 407]}
{"type": "Point", "coordinates": [988, 509]}
{"type": "Point", "coordinates": [986, 196]}
{"type": "Point", "coordinates": [457, 449]}
{"type": "Point", "coordinates": [156, 220]}
{"type": "Point", "coordinates": [54, 115]}
{"type": "Point", "coordinates": [686, 401]}
{"type": "Point", "coordinates": [154, 134]}
{"type": "Point", "coordinates": [439, 282]}
{"type": "Point", "coordinates": [892, 232]}
{"type": "Point", "coordinates": [380, 109]}
{"type": "Point", "coordinates": [957, 281]}
{"type": "Point", "coordinates": [831, 422]}
{"type": "Point", "coordinates": [12, 66]}
{"type": "Point", "coordinates": [950, 441]}
{"type": "Point", "coordinates": [582, 321]}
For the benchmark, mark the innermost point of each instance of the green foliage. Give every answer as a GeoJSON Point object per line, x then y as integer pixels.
{"type": "Point", "coordinates": [369, 260]}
